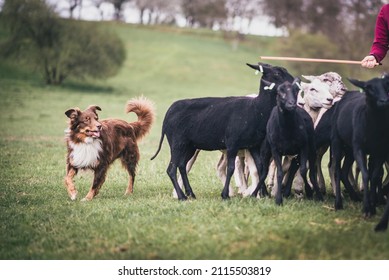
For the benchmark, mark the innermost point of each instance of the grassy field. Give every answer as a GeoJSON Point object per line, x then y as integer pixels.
{"type": "Point", "coordinates": [38, 220]}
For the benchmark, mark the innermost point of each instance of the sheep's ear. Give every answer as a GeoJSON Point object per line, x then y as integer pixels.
{"type": "Point", "coordinates": [296, 84]}
{"type": "Point", "coordinates": [94, 108]}
{"type": "Point", "coordinates": [304, 85]}
{"type": "Point", "coordinates": [265, 82]}
{"type": "Point", "coordinates": [73, 113]}
{"type": "Point", "coordinates": [253, 66]}
{"type": "Point", "coordinates": [297, 80]}
{"type": "Point", "coordinates": [261, 67]}
{"type": "Point", "coordinates": [308, 77]}
{"type": "Point", "coordinates": [358, 83]}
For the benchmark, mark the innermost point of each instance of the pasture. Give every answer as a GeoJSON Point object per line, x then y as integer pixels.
{"type": "Point", "coordinates": [38, 220]}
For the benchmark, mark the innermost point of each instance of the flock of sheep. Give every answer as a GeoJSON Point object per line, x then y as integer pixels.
{"type": "Point", "coordinates": [291, 120]}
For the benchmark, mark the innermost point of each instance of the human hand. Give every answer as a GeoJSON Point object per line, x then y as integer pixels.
{"type": "Point", "coordinates": [369, 62]}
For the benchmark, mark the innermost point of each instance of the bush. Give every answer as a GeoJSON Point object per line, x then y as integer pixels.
{"type": "Point", "coordinates": [59, 48]}
{"type": "Point", "coordinates": [299, 44]}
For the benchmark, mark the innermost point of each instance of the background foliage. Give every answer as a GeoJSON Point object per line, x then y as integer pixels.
{"type": "Point", "coordinates": [59, 48]}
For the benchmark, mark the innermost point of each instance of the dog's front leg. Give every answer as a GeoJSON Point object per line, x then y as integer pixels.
{"type": "Point", "coordinates": [71, 188]}
{"type": "Point", "coordinates": [98, 181]}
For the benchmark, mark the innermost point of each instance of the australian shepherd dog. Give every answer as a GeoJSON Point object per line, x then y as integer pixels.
{"type": "Point", "coordinates": [95, 145]}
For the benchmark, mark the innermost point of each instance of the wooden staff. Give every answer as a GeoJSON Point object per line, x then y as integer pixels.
{"type": "Point", "coordinates": [300, 59]}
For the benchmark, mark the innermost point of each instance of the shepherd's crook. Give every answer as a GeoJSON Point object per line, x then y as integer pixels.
{"type": "Point", "coordinates": [301, 59]}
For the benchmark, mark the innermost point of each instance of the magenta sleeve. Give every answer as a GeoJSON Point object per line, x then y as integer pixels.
{"type": "Point", "coordinates": [381, 36]}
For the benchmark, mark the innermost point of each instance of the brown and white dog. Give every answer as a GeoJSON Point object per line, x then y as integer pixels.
{"type": "Point", "coordinates": [94, 144]}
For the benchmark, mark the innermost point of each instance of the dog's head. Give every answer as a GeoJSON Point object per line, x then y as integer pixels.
{"type": "Point", "coordinates": [84, 126]}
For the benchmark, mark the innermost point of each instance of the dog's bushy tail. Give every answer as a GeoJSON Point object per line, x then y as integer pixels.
{"type": "Point", "coordinates": [144, 109]}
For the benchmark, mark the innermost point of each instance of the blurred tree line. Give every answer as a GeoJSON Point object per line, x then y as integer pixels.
{"type": "Point", "coordinates": [314, 28]}
{"type": "Point", "coordinates": [341, 29]}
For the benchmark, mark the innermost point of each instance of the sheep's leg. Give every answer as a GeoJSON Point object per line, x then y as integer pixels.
{"type": "Point", "coordinates": [262, 160]}
{"type": "Point", "coordinates": [376, 182]}
{"type": "Point", "coordinates": [356, 178]}
{"type": "Point", "coordinates": [185, 180]}
{"type": "Point", "coordinates": [386, 181]}
{"type": "Point", "coordinates": [336, 157]}
{"type": "Point", "coordinates": [291, 173]}
{"type": "Point", "coordinates": [188, 169]}
{"type": "Point", "coordinates": [304, 171]}
{"type": "Point", "coordinates": [352, 179]}
{"type": "Point", "coordinates": [360, 158]}
{"type": "Point", "coordinates": [221, 167]}
{"type": "Point", "coordinates": [250, 163]}
{"type": "Point", "coordinates": [240, 178]}
{"type": "Point", "coordinates": [313, 174]}
{"type": "Point", "coordinates": [188, 155]}
{"type": "Point", "coordinates": [383, 223]}
{"type": "Point", "coordinates": [380, 184]}
{"type": "Point", "coordinates": [221, 171]}
{"type": "Point", "coordinates": [347, 164]}
{"type": "Point", "coordinates": [298, 183]}
{"type": "Point", "coordinates": [286, 163]}
{"type": "Point", "coordinates": [280, 174]}
{"type": "Point", "coordinates": [271, 183]}
{"type": "Point", "coordinates": [320, 177]}
{"type": "Point", "coordinates": [172, 173]}
{"type": "Point", "coordinates": [331, 172]}
{"type": "Point", "coordinates": [231, 154]}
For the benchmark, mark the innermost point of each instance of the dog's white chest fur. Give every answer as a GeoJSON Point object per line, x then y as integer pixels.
{"type": "Point", "coordinates": [86, 154]}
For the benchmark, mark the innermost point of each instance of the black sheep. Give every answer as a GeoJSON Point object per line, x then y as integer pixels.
{"type": "Point", "coordinates": [229, 123]}
{"type": "Point", "coordinates": [360, 125]}
{"type": "Point", "coordinates": [289, 131]}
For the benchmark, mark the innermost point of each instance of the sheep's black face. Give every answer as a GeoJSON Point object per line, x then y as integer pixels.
{"type": "Point", "coordinates": [273, 74]}
{"type": "Point", "coordinates": [376, 90]}
{"type": "Point", "coordinates": [287, 97]}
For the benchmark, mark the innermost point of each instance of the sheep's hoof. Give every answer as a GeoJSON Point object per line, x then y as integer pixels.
{"type": "Point", "coordinates": [264, 192]}
{"type": "Point", "coordinates": [183, 198]}
{"type": "Point", "coordinates": [338, 205]}
{"type": "Point", "coordinates": [254, 194]}
{"type": "Point", "coordinates": [225, 197]}
{"type": "Point", "coordinates": [369, 211]}
{"type": "Point", "coordinates": [192, 195]}
{"type": "Point", "coordinates": [381, 227]}
{"type": "Point", "coordinates": [319, 197]}
{"type": "Point", "coordinates": [279, 202]}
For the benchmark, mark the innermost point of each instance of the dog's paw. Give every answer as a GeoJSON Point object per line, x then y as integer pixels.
{"type": "Point", "coordinates": [85, 199]}
{"type": "Point", "coordinates": [73, 196]}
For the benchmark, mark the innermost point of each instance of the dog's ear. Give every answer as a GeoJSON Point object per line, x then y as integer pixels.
{"type": "Point", "coordinates": [93, 108]}
{"type": "Point", "coordinates": [73, 113]}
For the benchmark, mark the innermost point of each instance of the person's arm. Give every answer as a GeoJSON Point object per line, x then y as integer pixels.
{"type": "Point", "coordinates": [381, 40]}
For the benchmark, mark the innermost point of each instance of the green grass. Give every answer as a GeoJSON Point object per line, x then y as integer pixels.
{"type": "Point", "coordinates": [38, 220]}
